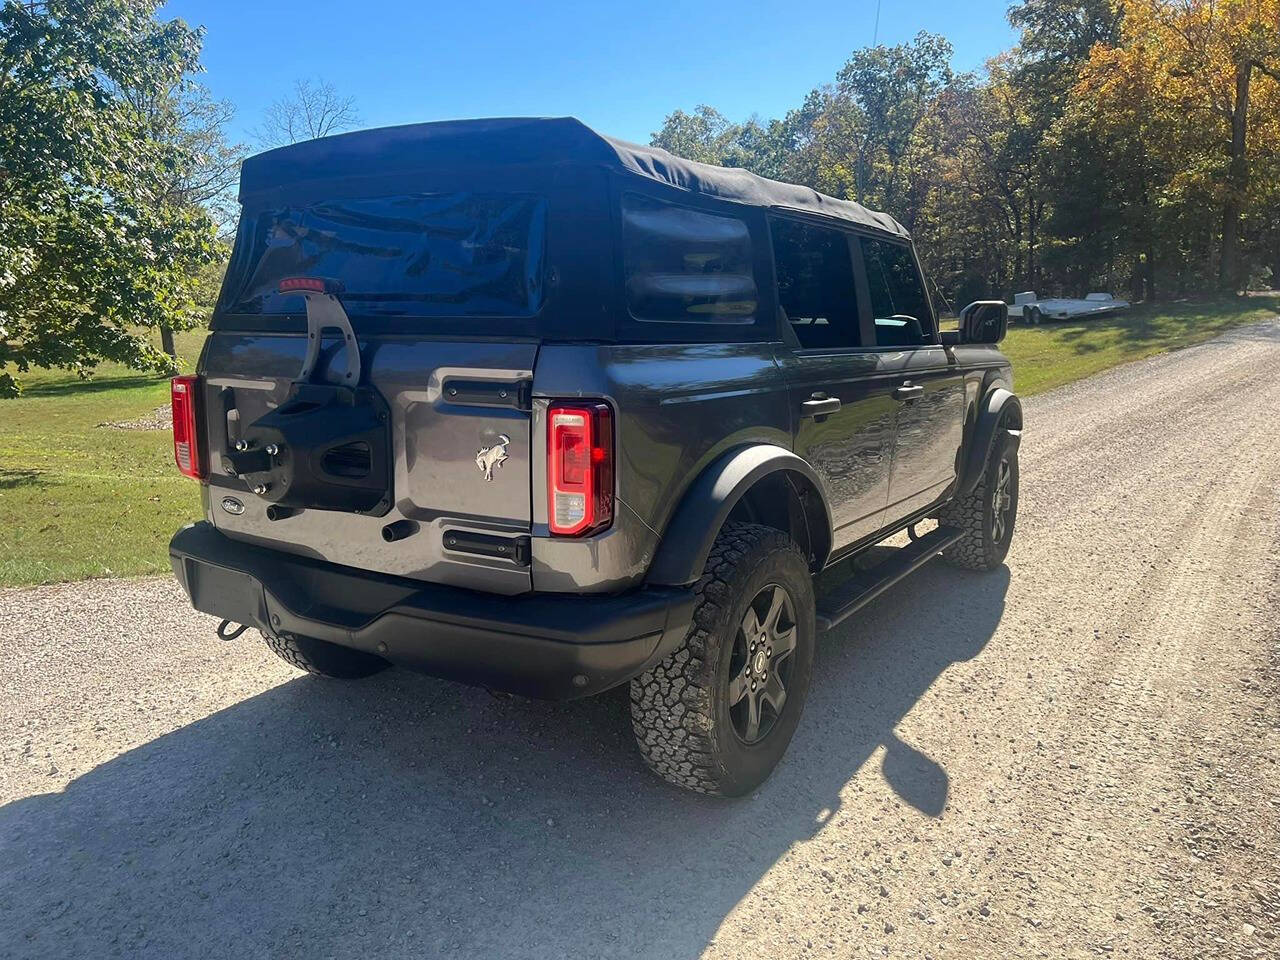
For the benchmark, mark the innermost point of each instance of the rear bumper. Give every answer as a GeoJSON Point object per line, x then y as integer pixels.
{"type": "Point", "coordinates": [553, 646]}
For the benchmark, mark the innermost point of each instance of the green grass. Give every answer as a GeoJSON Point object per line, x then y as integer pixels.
{"type": "Point", "coordinates": [78, 500]}
{"type": "Point", "coordinates": [1056, 353]}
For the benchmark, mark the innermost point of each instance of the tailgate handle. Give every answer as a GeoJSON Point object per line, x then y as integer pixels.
{"type": "Point", "coordinates": [515, 549]}
{"type": "Point", "coordinates": [490, 393]}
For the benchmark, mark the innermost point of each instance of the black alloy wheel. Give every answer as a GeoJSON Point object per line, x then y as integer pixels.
{"type": "Point", "coordinates": [761, 663]}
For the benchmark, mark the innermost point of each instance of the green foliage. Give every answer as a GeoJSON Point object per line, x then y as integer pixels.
{"type": "Point", "coordinates": [708, 137]}
{"type": "Point", "coordinates": [95, 242]}
{"type": "Point", "coordinates": [892, 91]}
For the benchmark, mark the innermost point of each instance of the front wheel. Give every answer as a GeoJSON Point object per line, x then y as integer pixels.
{"type": "Point", "coordinates": [717, 714]}
{"type": "Point", "coordinates": [987, 514]}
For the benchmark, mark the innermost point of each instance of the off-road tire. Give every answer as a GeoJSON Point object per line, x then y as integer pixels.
{"type": "Point", "coordinates": [323, 658]}
{"type": "Point", "coordinates": [680, 708]}
{"type": "Point", "coordinates": [979, 548]}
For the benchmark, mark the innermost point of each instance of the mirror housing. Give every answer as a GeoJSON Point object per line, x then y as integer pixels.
{"type": "Point", "coordinates": [984, 321]}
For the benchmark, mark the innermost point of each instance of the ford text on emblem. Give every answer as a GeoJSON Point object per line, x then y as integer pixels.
{"type": "Point", "coordinates": [489, 457]}
{"type": "Point", "coordinates": [232, 506]}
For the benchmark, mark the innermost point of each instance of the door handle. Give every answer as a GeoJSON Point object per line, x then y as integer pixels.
{"type": "Point", "coordinates": [819, 406]}
{"type": "Point", "coordinates": [907, 391]}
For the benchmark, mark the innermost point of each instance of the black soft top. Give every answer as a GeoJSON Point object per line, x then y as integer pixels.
{"type": "Point", "coordinates": [531, 141]}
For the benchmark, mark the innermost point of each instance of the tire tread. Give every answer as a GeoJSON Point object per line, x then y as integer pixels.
{"type": "Point", "coordinates": [323, 659]}
{"type": "Point", "coordinates": [671, 703]}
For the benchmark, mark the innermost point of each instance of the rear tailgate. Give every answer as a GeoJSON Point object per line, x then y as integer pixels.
{"type": "Point", "coordinates": [441, 286]}
{"type": "Point", "coordinates": [460, 423]}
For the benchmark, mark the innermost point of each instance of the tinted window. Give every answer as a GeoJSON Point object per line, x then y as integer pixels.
{"type": "Point", "coordinates": [898, 300]}
{"type": "Point", "coordinates": [816, 294]}
{"type": "Point", "coordinates": [425, 255]}
{"type": "Point", "coordinates": [686, 265]}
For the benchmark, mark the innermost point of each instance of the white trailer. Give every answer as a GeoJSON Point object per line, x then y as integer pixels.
{"type": "Point", "coordinates": [1029, 309]}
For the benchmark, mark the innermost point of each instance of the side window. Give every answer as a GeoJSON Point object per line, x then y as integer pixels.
{"type": "Point", "coordinates": [686, 265]}
{"type": "Point", "coordinates": [898, 301]}
{"type": "Point", "coordinates": [816, 293]}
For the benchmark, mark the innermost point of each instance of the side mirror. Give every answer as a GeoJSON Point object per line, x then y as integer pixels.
{"type": "Point", "coordinates": [984, 321]}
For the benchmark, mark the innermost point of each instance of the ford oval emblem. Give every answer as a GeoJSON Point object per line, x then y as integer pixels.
{"type": "Point", "coordinates": [232, 506]}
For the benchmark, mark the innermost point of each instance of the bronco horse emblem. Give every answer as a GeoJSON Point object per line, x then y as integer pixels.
{"type": "Point", "coordinates": [489, 457]}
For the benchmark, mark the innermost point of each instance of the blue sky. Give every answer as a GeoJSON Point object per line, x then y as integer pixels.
{"type": "Point", "coordinates": [619, 68]}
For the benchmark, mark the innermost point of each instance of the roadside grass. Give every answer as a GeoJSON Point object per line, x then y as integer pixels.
{"type": "Point", "coordinates": [80, 500]}
{"type": "Point", "coordinates": [1057, 352]}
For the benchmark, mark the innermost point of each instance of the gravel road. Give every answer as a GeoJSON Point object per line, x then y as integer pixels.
{"type": "Point", "coordinates": [1075, 756]}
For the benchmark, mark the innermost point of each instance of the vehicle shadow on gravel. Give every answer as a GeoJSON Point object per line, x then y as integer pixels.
{"type": "Point", "coordinates": [406, 816]}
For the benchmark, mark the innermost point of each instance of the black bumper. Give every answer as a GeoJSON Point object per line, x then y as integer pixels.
{"type": "Point", "coordinates": [553, 646]}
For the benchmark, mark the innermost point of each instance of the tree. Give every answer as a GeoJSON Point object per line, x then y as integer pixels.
{"type": "Point", "coordinates": [187, 116]}
{"type": "Point", "coordinates": [315, 109]}
{"type": "Point", "coordinates": [893, 89]}
{"type": "Point", "coordinates": [1034, 81]}
{"type": "Point", "coordinates": [94, 247]}
{"type": "Point", "coordinates": [1200, 59]}
{"type": "Point", "coordinates": [1261, 226]}
{"type": "Point", "coordinates": [708, 137]}
{"type": "Point", "coordinates": [1057, 36]}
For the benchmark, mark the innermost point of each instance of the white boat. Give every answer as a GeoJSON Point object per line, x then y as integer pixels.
{"type": "Point", "coordinates": [1028, 308]}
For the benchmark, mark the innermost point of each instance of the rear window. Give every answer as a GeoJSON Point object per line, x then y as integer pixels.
{"type": "Point", "coordinates": [685, 265]}
{"type": "Point", "coordinates": [418, 255]}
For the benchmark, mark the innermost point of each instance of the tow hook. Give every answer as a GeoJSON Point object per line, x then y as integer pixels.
{"type": "Point", "coordinates": [225, 634]}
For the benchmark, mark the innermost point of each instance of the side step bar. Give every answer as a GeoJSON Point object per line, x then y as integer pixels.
{"type": "Point", "coordinates": [865, 585]}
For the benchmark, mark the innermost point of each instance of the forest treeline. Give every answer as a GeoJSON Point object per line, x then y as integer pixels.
{"type": "Point", "coordinates": [1131, 146]}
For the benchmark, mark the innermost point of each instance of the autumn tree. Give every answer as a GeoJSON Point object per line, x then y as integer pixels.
{"type": "Point", "coordinates": [1202, 60]}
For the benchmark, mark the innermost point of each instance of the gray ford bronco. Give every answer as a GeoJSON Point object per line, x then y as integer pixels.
{"type": "Point", "coordinates": [516, 404]}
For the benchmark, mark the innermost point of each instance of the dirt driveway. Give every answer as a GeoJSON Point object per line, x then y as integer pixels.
{"type": "Point", "coordinates": [1074, 756]}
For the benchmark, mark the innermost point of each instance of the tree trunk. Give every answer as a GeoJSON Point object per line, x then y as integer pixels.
{"type": "Point", "coordinates": [1149, 271]}
{"type": "Point", "coordinates": [1033, 266]}
{"type": "Point", "coordinates": [166, 342]}
{"type": "Point", "coordinates": [1237, 185]}
{"type": "Point", "coordinates": [1148, 227]}
{"type": "Point", "coordinates": [1019, 274]}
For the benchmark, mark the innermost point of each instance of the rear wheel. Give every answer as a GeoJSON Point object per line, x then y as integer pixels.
{"type": "Point", "coordinates": [1034, 316]}
{"type": "Point", "coordinates": [717, 715]}
{"type": "Point", "coordinates": [987, 514]}
{"type": "Point", "coordinates": [323, 658]}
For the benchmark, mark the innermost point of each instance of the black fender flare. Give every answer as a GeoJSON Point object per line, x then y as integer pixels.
{"type": "Point", "coordinates": [1000, 411]}
{"type": "Point", "coordinates": [710, 499]}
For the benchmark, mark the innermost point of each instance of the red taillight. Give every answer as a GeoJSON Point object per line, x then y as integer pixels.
{"type": "Point", "coordinates": [579, 468]}
{"type": "Point", "coordinates": [184, 391]}
{"type": "Point", "coordinates": [306, 285]}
